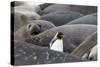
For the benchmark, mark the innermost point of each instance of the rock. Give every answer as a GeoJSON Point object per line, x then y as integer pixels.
{"type": "Point", "coordinates": [73, 35]}
{"type": "Point", "coordinates": [61, 18]}
{"type": "Point", "coordinates": [77, 8]}
{"type": "Point", "coordinates": [33, 28]}
{"type": "Point", "coordinates": [88, 19]}
{"type": "Point", "coordinates": [29, 54]}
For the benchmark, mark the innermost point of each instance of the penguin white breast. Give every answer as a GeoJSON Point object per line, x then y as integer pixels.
{"type": "Point", "coordinates": [57, 45]}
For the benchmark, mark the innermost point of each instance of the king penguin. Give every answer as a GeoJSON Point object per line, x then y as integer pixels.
{"type": "Point", "coordinates": [56, 43]}
{"type": "Point", "coordinates": [93, 53]}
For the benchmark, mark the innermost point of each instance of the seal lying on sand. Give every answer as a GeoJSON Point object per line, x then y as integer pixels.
{"type": "Point", "coordinates": [61, 18]}
{"type": "Point", "coordinates": [33, 28]}
{"type": "Point", "coordinates": [87, 19]}
{"type": "Point", "coordinates": [73, 35]}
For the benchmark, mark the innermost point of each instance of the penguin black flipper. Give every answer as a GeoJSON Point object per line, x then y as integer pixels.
{"type": "Point", "coordinates": [52, 41]}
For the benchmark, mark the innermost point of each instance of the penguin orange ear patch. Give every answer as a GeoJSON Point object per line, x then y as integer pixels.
{"type": "Point", "coordinates": [47, 33]}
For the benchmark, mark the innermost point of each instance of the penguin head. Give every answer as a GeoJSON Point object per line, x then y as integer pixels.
{"type": "Point", "coordinates": [59, 35]}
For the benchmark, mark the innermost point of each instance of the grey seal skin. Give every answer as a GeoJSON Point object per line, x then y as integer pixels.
{"type": "Point", "coordinates": [73, 35]}
{"type": "Point", "coordinates": [33, 28]}
{"type": "Point", "coordinates": [61, 18]}
{"type": "Point", "coordinates": [77, 8]}
{"type": "Point", "coordinates": [87, 19]}
{"type": "Point", "coordinates": [45, 5]}
{"type": "Point", "coordinates": [29, 54]}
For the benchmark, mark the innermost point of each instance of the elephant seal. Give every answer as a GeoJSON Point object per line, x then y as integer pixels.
{"type": "Point", "coordinates": [61, 18]}
{"type": "Point", "coordinates": [54, 8]}
{"type": "Point", "coordinates": [73, 35]}
{"type": "Point", "coordinates": [64, 7]}
{"type": "Point", "coordinates": [29, 54]}
{"type": "Point", "coordinates": [44, 5]}
{"type": "Point", "coordinates": [44, 25]}
{"type": "Point", "coordinates": [87, 19]}
{"type": "Point", "coordinates": [33, 28]}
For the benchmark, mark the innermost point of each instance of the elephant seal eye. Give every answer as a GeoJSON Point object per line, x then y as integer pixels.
{"type": "Point", "coordinates": [29, 26]}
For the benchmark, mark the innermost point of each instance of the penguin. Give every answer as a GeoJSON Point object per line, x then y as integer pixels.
{"type": "Point", "coordinates": [56, 43]}
{"type": "Point", "coordinates": [93, 54]}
